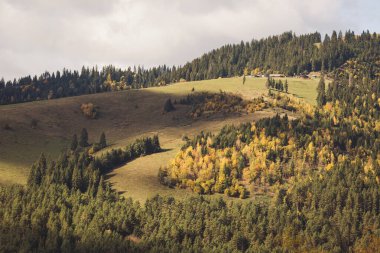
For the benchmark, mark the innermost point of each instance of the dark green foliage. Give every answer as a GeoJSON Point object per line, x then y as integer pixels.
{"type": "Point", "coordinates": [38, 171]}
{"type": "Point", "coordinates": [74, 143]}
{"type": "Point", "coordinates": [102, 141]}
{"type": "Point", "coordinates": [168, 106]}
{"type": "Point", "coordinates": [83, 140]}
{"type": "Point", "coordinates": [319, 214]}
{"type": "Point", "coordinates": [116, 157]}
{"type": "Point", "coordinates": [100, 145]}
{"type": "Point", "coordinates": [68, 206]}
{"type": "Point", "coordinates": [286, 86]}
{"type": "Point", "coordinates": [321, 90]}
{"type": "Point", "coordinates": [276, 85]}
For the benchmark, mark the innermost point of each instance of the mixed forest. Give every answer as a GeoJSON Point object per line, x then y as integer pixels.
{"type": "Point", "coordinates": [319, 171]}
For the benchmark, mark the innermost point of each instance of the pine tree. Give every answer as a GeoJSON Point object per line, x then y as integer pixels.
{"type": "Point", "coordinates": [156, 143]}
{"type": "Point", "coordinates": [83, 141]}
{"type": "Point", "coordinates": [286, 86]}
{"type": "Point", "coordinates": [42, 164]}
{"type": "Point", "coordinates": [100, 191]}
{"type": "Point", "coordinates": [76, 180]}
{"type": "Point", "coordinates": [102, 141]}
{"type": "Point", "coordinates": [321, 97]}
{"type": "Point", "coordinates": [38, 171]}
{"type": "Point", "coordinates": [280, 86]}
{"type": "Point", "coordinates": [74, 143]}
{"type": "Point", "coordinates": [268, 83]}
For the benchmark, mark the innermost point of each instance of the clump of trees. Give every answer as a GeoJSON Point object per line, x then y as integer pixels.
{"type": "Point", "coordinates": [271, 83]}
{"type": "Point", "coordinates": [89, 110]}
{"type": "Point", "coordinates": [83, 142]}
{"type": "Point", "coordinates": [99, 145]}
{"type": "Point", "coordinates": [116, 157]}
{"type": "Point", "coordinates": [78, 169]}
{"type": "Point", "coordinates": [210, 103]}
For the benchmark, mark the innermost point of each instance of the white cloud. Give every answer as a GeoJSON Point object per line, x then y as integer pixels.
{"type": "Point", "coordinates": [40, 35]}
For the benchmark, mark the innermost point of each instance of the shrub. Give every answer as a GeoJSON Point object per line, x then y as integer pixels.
{"type": "Point", "coordinates": [89, 110]}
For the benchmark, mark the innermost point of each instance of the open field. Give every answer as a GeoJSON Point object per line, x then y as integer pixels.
{"type": "Point", "coordinates": [124, 116]}
{"type": "Point", "coordinates": [302, 88]}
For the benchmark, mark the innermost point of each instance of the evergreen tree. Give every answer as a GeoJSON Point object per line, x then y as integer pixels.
{"type": "Point", "coordinates": [156, 143]}
{"type": "Point", "coordinates": [83, 141]}
{"type": "Point", "coordinates": [321, 97]}
{"type": "Point", "coordinates": [286, 86]}
{"type": "Point", "coordinates": [74, 143]}
{"type": "Point", "coordinates": [280, 85]}
{"type": "Point", "coordinates": [76, 180]}
{"type": "Point", "coordinates": [268, 83]}
{"type": "Point", "coordinates": [102, 141]}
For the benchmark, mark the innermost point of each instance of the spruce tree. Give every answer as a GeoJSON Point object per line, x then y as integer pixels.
{"type": "Point", "coordinates": [268, 83]}
{"type": "Point", "coordinates": [74, 143]}
{"type": "Point", "coordinates": [156, 143]}
{"type": "Point", "coordinates": [286, 86]}
{"type": "Point", "coordinates": [76, 180]}
{"type": "Point", "coordinates": [321, 97]}
{"type": "Point", "coordinates": [102, 141]}
{"type": "Point", "coordinates": [83, 142]}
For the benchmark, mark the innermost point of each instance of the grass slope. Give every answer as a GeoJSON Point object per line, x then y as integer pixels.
{"type": "Point", "coordinates": [124, 116]}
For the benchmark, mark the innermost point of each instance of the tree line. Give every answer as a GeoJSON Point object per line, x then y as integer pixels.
{"type": "Point", "coordinates": [336, 211]}
{"type": "Point", "coordinates": [286, 53]}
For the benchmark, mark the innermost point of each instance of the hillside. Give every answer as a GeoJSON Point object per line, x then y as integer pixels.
{"type": "Point", "coordinates": [287, 54]}
{"type": "Point", "coordinates": [121, 115]}
{"type": "Point", "coordinates": [311, 180]}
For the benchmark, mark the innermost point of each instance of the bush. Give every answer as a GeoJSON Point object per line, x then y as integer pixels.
{"type": "Point", "coordinates": [89, 110]}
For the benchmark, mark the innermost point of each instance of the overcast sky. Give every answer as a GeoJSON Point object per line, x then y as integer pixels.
{"type": "Point", "coordinates": [39, 35]}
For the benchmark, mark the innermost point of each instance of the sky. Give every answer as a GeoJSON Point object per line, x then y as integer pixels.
{"type": "Point", "coordinates": [49, 35]}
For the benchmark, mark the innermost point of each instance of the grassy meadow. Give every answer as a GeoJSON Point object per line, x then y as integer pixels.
{"type": "Point", "coordinates": [123, 116]}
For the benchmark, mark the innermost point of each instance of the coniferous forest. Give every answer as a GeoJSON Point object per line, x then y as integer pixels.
{"type": "Point", "coordinates": [287, 53]}
{"type": "Point", "coordinates": [319, 171]}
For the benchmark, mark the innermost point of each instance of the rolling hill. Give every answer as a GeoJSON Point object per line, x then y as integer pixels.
{"type": "Point", "coordinates": [121, 116]}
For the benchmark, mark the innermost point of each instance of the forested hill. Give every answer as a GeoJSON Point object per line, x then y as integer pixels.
{"type": "Point", "coordinates": [286, 53]}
